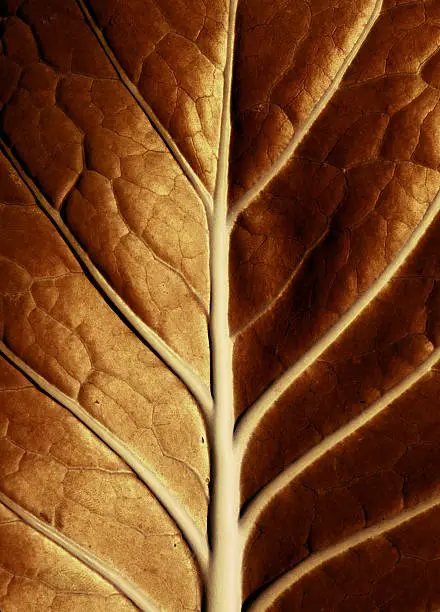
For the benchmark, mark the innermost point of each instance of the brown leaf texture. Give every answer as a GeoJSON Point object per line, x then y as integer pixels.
{"type": "Point", "coordinates": [44, 577]}
{"type": "Point", "coordinates": [219, 305]}
{"type": "Point", "coordinates": [174, 51]}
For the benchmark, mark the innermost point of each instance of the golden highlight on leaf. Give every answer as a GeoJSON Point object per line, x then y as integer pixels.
{"type": "Point", "coordinates": [36, 574]}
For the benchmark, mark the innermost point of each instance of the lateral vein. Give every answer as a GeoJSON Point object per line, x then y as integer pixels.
{"type": "Point", "coordinates": [251, 418]}
{"type": "Point", "coordinates": [196, 183]}
{"type": "Point", "coordinates": [180, 368]}
{"type": "Point", "coordinates": [118, 580]}
{"type": "Point", "coordinates": [271, 489]}
{"type": "Point", "coordinates": [282, 160]}
{"type": "Point", "coordinates": [195, 540]}
{"type": "Point", "coordinates": [291, 577]}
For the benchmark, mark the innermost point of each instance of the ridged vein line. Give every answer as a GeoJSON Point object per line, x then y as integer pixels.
{"type": "Point", "coordinates": [256, 412]}
{"type": "Point", "coordinates": [194, 384]}
{"type": "Point", "coordinates": [191, 534]}
{"type": "Point", "coordinates": [224, 588]}
{"type": "Point", "coordinates": [283, 159]}
{"type": "Point", "coordinates": [269, 491]}
{"type": "Point", "coordinates": [287, 580]}
{"type": "Point", "coordinates": [122, 584]}
{"type": "Point", "coordinates": [196, 183]}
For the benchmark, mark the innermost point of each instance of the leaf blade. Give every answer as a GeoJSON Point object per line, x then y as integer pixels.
{"type": "Point", "coordinates": [264, 403]}
{"type": "Point", "coordinates": [243, 202]}
{"type": "Point", "coordinates": [153, 340]}
{"type": "Point", "coordinates": [75, 582]}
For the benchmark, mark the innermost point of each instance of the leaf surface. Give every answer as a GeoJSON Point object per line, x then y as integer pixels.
{"type": "Point", "coordinates": [175, 53]}
{"type": "Point", "coordinates": [48, 576]}
{"type": "Point", "coordinates": [288, 55]}
{"type": "Point", "coordinates": [219, 271]}
{"type": "Point", "coordinates": [66, 109]}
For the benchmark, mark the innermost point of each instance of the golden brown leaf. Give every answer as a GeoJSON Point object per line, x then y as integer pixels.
{"type": "Point", "coordinates": [219, 305]}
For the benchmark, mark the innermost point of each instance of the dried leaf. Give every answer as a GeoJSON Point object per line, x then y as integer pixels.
{"type": "Point", "coordinates": [219, 305]}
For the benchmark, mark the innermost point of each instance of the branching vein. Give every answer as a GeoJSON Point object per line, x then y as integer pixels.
{"type": "Point", "coordinates": [263, 498]}
{"type": "Point", "coordinates": [224, 591]}
{"type": "Point", "coordinates": [191, 380]}
{"type": "Point", "coordinates": [294, 273]}
{"type": "Point", "coordinates": [287, 580]}
{"type": "Point", "coordinates": [256, 412]}
{"type": "Point", "coordinates": [196, 541]}
{"type": "Point", "coordinates": [283, 159]}
{"type": "Point", "coordinates": [198, 186]}
{"type": "Point", "coordinates": [221, 568]}
{"type": "Point", "coordinates": [123, 584]}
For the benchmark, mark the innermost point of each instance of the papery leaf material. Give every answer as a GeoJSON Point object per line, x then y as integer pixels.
{"type": "Point", "coordinates": [219, 305]}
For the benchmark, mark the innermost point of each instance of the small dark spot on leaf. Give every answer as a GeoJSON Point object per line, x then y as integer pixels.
{"type": "Point", "coordinates": [203, 440]}
{"type": "Point", "coordinates": [45, 517]}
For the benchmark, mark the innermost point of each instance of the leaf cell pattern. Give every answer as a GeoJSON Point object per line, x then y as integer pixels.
{"type": "Point", "coordinates": [219, 305]}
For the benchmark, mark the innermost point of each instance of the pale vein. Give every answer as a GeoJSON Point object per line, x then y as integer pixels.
{"type": "Point", "coordinates": [268, 492]}
{"type": "Point", "coordinates": [283, 159]}
{"type": "Point", "coordinates": [194, 538]}
{"type": "Point", "coordinates": [123, 584]}
{"type": "Point", "coordinates": [224, 592]}
{"type": "Point", "coordinates": [256, 412]}
{"type": "Point", "coordinates": [287, 580]}
{"type": "Point", "coordinates": [287, 283]}
{"type": "Point", "coordinates": [191, 380]}
{"type": "Point", "coordinates": [198, 186]}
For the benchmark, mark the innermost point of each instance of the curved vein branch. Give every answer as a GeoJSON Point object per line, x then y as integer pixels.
{"type": "Point", "coordinates": [260, 407]}
{"type": "Point", "coordinates": [287, 580]}
{"type": "Point", "coordinates": [197, 184]}
{"type": "Point", "coordinates": [282, 160]}
{"type": "Point", "coordinates": [268, 492]}
{"type": "Point", "coordinates": [122, 584]}
{"type": "Point", "coordinates": [191, 380]}
{"type": "Point", "coordinates": [195, 540]}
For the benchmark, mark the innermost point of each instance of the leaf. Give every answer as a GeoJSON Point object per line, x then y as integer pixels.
{"type": "Point", "coordinates": [219, 305]}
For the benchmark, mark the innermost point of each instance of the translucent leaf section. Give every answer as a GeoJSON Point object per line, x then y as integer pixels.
{"type": "Point", "coordinates": [397, 571]}
{"type": "Point", "coordinates": [334, 313]}
{"type": "Point", "coordinates": [388, 342]}
{"type": "Point", "coordinates": [56, 469]}
{"type": "Point", "coordinates": [341, 209]}
{"type": "Point", "coordinates": [267, 171]}
{"type": "Point", "coordinates": [386, 466]}
{"type": "Point", "coordinates": [288, 55]}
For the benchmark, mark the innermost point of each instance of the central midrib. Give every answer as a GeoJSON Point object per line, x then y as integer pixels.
{"type": "Point", "coordinates": [224, 582]}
